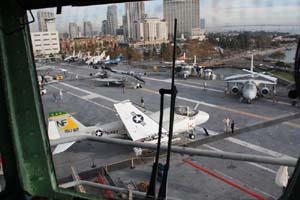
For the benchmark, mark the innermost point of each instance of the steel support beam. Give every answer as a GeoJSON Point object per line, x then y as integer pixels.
{"type": "Point", "coordinates": [184, 150]}
{"type": "Point", "coordinates": [107, 187]}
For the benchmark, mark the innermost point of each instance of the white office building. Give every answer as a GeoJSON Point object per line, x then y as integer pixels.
{"type": "Point", "coordinates": [45, 43]}
{"type": "Point", "coordinates": [150, 31]}
{"type": "Point", "coordinates": [187, 14]}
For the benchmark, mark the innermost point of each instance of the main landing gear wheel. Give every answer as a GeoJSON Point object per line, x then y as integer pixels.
{"type": "Point", "coordinates": [192, 136]}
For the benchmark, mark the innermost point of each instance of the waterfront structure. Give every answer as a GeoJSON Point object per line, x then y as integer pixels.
{"type": "Point", "coordinates": [187, 14]}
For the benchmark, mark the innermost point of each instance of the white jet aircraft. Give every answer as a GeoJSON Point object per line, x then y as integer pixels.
{"type": "Point", "coordinates": [134, 124]}
{"type": "Point", "coordinates": [73, 57]}
{"type": "Point", "coordinates": [185, 70]}
{"type": "Point", "coordinates": [250, 85]}
{"type": "Point", "coordinates": [96, 59]}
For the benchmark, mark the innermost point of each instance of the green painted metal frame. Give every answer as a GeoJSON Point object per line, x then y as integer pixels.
{"type": "Point", "coordinates": [24, 144]}
{"type": "Point", "coordinates": [27, 159]}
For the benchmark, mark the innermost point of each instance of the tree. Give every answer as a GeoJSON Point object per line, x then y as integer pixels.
{"type": "Point", "coordinates": [278, 55]}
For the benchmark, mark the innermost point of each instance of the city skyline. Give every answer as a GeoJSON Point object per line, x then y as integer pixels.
{"type": "Point", "coordinates": [215, 13]}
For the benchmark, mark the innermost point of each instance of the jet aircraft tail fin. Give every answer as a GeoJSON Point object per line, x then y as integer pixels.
{"type": "Point", "coordinates": [65, 123]}
{"type": "Point", "coordinates": [62, 124]}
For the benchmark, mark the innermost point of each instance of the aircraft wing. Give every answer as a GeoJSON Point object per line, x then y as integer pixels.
{"type": "Point", "coordinates": [238, 76]}
{"type": "Point", "coordinates": [267, 77]}
{"type": "Point", "coordinates": [139, 126]}
{"type": "Point", "coordinates": [256, 81]}
{"type": "Point", "coordinates": [110, 80]}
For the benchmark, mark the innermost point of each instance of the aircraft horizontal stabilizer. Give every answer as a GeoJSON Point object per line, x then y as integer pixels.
{"type": "Point", "coordinates": [62, 147]}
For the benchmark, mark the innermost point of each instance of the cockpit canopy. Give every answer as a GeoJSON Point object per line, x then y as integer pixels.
{"type": "Point", "coordinates": [185, 111]}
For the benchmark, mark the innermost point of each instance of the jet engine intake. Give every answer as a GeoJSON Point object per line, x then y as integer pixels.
{"type": "Point", "coordinates": [235, 89]}
{"type": "Point", "coordinates": [265, 91]}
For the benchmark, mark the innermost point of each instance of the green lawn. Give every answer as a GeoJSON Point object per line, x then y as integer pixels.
{"type": "Point", "coordinates": [285, 75]}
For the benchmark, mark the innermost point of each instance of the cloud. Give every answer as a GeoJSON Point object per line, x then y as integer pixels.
{"type": "Point", "coordinates": [215, 12]}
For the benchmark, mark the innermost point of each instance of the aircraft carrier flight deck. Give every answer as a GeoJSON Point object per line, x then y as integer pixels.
{"type": "Point", "coordinates": [91, 104]}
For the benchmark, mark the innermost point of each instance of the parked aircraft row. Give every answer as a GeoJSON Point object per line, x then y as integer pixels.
{"type": "Point", "coordinates": [133, 124]}
{"type": "Point", "coordinates": [94, 60]}
{"type": "Point", "coordinates": [110, 77]}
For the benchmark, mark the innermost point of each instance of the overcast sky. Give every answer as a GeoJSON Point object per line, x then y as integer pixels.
{"type": "Point", "coordinates": [215, 12]}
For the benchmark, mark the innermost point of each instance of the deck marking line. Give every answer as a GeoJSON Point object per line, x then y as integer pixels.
{"type": "Point", "coordinates": [100, 105]}
{"type": "Point", "coordinates": [257, 196]}
{"type": "Point", "coordinates": [226, 108]}
{"type": "Point", "coordinates": [91, 93]}
{"type": "Point", "coordinates": [250, 163]}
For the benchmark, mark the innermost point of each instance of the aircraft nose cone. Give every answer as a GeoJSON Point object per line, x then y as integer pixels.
{"type": "Point", "coordinates": [202, 117]}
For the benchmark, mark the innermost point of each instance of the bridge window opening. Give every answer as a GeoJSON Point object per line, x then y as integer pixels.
{"type": "Point", "coordinates": [90, 54]}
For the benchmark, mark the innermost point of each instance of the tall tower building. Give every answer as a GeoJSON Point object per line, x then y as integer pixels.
{"type": "Point", "coordinates": [73, 30]}
{"type": "Point", "coordinates": [134, 12]}
{"type": "Point", "coordinates": [87, 29]}
{"type": "Point", "coordinates": [46, 20]}
{"type": "Point", "coordinates": [202, 23]}
{"type": "Point", "coordinates": [104, 27]}
{"type": "Point", "coordinates": [187, 14]}
{"type": "Point", "coordinates": [112, 19]}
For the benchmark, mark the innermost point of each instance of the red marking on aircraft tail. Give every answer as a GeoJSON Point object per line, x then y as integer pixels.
{"type": "Point", "coordinates": [106, 192]}
{"type": "Point", "coordinates": [224, 180]}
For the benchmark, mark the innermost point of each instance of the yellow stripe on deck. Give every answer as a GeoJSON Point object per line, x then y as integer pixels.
{"type": "Point", "coordinates": [225, 108]}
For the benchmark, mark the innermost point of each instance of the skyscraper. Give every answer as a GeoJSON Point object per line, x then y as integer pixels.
{"type": "Point", "coordinates": [73, 30]}
{"type": "Point", "coordinates": [104, 27]}
{"type": "Point", "coordinates": [112, 19]}
{"type": "Point", "coordinates": [134, 11]}
{"type": "Point", "coordinates": [187, 14]}
{"type": "Point", "coordinates": [202, 23]}
{"type": "Point", "coordinates": [87, 29]}
{"type": "Point", "coordinates": [46, 21]}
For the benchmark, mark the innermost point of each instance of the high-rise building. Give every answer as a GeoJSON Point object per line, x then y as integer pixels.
{"type": "Point", "coordinates": [134, 12]}
{"type": "Point", "coordinates": [202, 23]}
{"type": "Point", "coordinates": [104, 27]}
{"type": "Point", "coordinates": [112, 19]}
{"type": "Point", "coordinates": [46, 21]}
{"type": "Point", "coordinates": [138, 31]}
{"type": "Point", "coordinates": [73, 30]}
{"type": "Point", "coordinates": [187, 14]}
{"type": "Point", "coordinates": [87, 29]}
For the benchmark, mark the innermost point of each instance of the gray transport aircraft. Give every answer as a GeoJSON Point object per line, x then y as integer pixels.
{"type": "Point", "coordinates": [251, 85]}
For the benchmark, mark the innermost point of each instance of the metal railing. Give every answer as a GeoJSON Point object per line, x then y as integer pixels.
{"type": "Point", "coordinates": [285, 161]}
